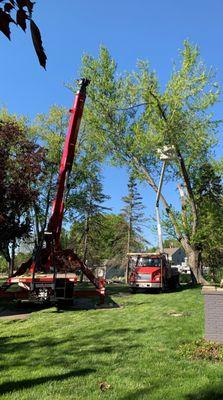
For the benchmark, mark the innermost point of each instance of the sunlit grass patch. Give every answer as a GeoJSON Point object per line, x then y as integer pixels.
{"type": "Point", "coordinates": [123, 353]}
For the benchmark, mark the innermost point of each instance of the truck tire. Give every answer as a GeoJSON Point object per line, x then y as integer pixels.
{"type": "Point", "coordinates": [174, 282]}
{"type": "Point", "coordinates": [64, 304]}
{"type": "Point", "coordinates": [166, 286]}
{"type": "Point", "coordinates": [133, 290]}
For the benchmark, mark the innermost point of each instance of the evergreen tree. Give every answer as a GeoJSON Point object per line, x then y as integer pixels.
{"type": "Point", "coordinates": [133, 213]}
{"type": "Point", "coordinates": [134, 216]}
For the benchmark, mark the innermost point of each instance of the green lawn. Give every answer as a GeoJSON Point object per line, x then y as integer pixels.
{"type": "Point", "coordinates": [134, 348]}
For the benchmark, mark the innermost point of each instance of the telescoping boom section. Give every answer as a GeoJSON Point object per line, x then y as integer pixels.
{"type": "Point", "coordinates": [55, 222]}
{"type": "Point", "coordinates": [51, 274]}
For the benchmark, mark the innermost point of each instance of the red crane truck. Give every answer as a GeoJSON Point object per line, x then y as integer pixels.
{"type": "Point", "coordinates": [49, 275]}
{"type": "Point", "coordinates": [151, 271]}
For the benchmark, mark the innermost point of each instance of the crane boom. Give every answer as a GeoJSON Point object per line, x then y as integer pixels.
{"type": "Point", "coordinates": [55, 222]}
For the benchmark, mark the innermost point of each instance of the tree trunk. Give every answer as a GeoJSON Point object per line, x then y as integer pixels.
{"type": "Point", "coordinates": [11, 259]}
{"type": "Point", "coordinates": [193, 257]}
{"type": "Point", "coordinates": [128, 250]}
{"type": "Point", "coordinates": [36, 224]}
{"type": "Point", "coordinates": [85, 250]}
{"type": "Point", "coordinates": [86, 229]}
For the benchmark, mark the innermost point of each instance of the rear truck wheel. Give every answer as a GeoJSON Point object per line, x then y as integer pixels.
{"type": "Point", "coordinates": [63, 304]}
{"type": "Point", "coordinates": [174, 282]}
{"type": "Point", "coordinates": [155, 290]}
{"type": "Point", "coordinates": [166, 286]}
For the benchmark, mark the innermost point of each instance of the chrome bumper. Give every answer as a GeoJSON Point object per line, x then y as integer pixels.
{"type": "Point", "coordinates": [145, 285]}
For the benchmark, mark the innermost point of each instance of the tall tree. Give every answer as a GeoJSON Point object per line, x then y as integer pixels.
{"type": "Point", "coordinates": [131, 118]}
{"type": "Point", "coordinates": [49, 129]}
{"type": "Point", "coordinates": [20, 167]}
{"type": "Point", "coordinates": [208, 191]}
{"type": "Point", "coordinates": [87, 201]}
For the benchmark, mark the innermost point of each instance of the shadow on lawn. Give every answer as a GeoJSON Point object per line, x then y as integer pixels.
{"type": "Point", "coordinates": [114, 289]}
{"type": "Point", "coordinates": [23, 353]}
{"type": "Point", "coordinates": [122, 291]}
{"type": "Point", "coordinates": [11, 311]}
{"type": "Point", "coordinates": [10, 386]}
{"type": "Point", "coordinates": [85, 303]}
{"type": "Point", "coordinates": [215, 393]}
{"type": "Point", "coordinates": [188, 286]}
{"type": "Point", "coordinates": [15, 311]}
{"type": "Point", "coordinates": [210, 393]}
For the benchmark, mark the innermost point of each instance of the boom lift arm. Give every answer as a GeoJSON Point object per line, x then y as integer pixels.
{"type": "Point", "coordinates": [55, 222]}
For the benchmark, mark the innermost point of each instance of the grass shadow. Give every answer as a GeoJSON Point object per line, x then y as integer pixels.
{"type": "Point", "coordinates": [188, 286]}
{"type": "Point", "coordinates": [86, 304]}
{"type": "Point", "coordinates": [11, 386]}
{"type": "Point", "coordinates": [13, 311]}
{"type": "Point", "coordinates": [210, 393]}
{"type": "Point", "coordinates": [113, 289]}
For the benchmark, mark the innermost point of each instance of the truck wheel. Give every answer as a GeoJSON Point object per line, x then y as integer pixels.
{"type": "Point", "coordinates": [174, 282]}
{"type": "Point", "coordinates": [133, 290]}
{"type": "Point", "coordinates": [166, 286]}
{"type": "Point", "coordinates": [63, 304]}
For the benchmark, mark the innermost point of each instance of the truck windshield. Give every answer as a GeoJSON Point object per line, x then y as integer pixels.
{"type": "Point", "coordinates": [149, 262]}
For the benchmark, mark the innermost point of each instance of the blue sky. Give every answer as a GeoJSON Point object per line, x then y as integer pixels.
{"type": "Point", "coordinates": [132, 30]}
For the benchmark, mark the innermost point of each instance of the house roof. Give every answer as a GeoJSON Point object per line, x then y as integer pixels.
{"type": "Point", "coordinates": [170, 250]}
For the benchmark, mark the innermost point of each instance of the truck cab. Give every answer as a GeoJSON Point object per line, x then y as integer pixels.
{"type": "Point", "coordinates": [151, 271]}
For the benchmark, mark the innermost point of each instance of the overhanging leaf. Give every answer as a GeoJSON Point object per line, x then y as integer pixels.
{"type": "Point", "coordinates": [21, 18]}
{"type": "Point", "coordinates": [26, 3]}
{"type": "Point", "coordinates": [8, 7]}
{"type": "Point", "coordinates": [29, 5]}
{"type": "Point", "coordinates": [5, 20]}
{"type": "Point", "coordinates": [21, 3]}
{"type": "Point", "coordinates": [37, 42]}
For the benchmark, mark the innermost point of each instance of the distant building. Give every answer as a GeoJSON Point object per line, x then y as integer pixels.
{"type": "Point", "coordinates": [176, 255]}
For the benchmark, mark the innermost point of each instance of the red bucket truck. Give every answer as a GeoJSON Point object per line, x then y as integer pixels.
{"type": "Point", "coordinates": [151, 271]}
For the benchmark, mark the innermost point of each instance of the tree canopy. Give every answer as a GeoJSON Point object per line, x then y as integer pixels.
{"type": "Point", "coordinates": [20, 166]}
{"type": "Point", "coordinates": [131, 117]}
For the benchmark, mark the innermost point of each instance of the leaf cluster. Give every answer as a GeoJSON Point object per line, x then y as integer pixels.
{"type": "Point", "coordinates": [20, 12]}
